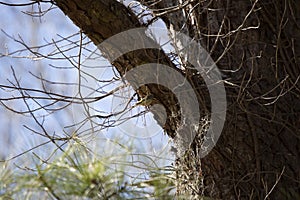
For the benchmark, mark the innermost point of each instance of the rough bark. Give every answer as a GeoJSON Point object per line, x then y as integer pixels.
{"type": "Point", "coordinates": [180, 17]}
{"type": "Point", "coordinates": [257, 45]}
{"type": "Point", "coordinates": [259, 147]}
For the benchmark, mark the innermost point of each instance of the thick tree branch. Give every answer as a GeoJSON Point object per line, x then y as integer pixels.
{"type": "Point", "coordinates": [102, 19]}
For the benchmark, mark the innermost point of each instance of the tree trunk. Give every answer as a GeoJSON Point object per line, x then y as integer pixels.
{"type": "Point", "coordinates": [257, 155]}
{"type": "Point", "coordinates": [257, 47]}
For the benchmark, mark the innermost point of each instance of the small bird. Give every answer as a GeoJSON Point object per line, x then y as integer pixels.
{"type": "Point", "coordinates": [146, 101]}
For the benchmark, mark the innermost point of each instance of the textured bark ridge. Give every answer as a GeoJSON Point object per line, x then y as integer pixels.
{"type": "Point", "coordinates": [256, 44]}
